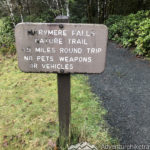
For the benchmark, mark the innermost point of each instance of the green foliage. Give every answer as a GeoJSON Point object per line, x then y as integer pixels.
{"type": "Point", "coordinates": [132, 30]}
{"type": "Point", "coordinates": [46, 16]}
{"type": "Point", "coordinates": [7, 42]}
{"type": "Point", "coordinates": [143, 40]}
{"type": "Point", "coordinates": [78, 12]}
{"type": "Point", "coordinates": [7, 39]}
{"type": "Point", "coordinates": [113, 19]}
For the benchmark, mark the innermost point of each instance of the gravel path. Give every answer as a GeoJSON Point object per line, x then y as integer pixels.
{"type": "Point", "coordinates": [124, 89]}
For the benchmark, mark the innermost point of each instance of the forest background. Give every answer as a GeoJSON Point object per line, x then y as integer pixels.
{"type": "Point", "coordinates": [128, 20]}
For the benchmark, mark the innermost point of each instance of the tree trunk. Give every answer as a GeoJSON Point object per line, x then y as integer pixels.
{"type": "Point", "coordinates": [60, 6]}
{"type": "Point", "coordinates": [28, 7]}
{"type": "Point", "coordinates": [89, 3]}
{"type": "Point", "coordinates": [140, 4]}
{"type": "Point", "coordinates": [102, 11]}
{"type": "Point", "coordinates": [10, 8]}
{"type": "Point", "coordinates": [98, 11]}
{"type": "Point", "coordinates": [21, 8]}
{"type": "Point", "coordinates": [67, 8]}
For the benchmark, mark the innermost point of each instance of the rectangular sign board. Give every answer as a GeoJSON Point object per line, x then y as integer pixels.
{"type": "Point", "coordinates": [61, 47]}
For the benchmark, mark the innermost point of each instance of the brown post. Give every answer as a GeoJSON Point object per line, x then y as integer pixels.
{"type": "Point", "coordinates": [64, 104]}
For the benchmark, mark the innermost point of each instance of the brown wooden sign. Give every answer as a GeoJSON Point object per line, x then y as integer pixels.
{"type": "Point", "coordinates": [61, 47]}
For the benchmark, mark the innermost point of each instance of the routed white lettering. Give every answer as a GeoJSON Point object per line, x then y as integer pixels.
{"type": "Point", "coordinates": [45, 50]}
{"type": "Point", "coordinates": [52, 32]}
{"type": "Point", "coordinates": [58, 66]}
{"type": "Point", "coordinates": [94, 50]}
{"type": "Point", "coordinates": [78, 41]}
{"type": "Point", "coordinates": [76, 59]}
{"type": "Point", "coordinates": [49, 41]}
{"type": "Point", "coordinates": [82, 33]}
{"type": "Point", "coordinates": [45, 58]}
{"type": "Point", "coordinates": [70, 50]}
{"type": "Point", "coordinates": [27, 58]}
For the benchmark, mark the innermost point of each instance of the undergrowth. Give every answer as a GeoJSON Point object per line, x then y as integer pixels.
{"type": "Point", "coordinates": [28, 110]}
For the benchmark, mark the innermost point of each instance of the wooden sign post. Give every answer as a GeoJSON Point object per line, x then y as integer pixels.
{"type": "Point", "coordinates": [61, 48]}
{"type": "Point", "coordinates": [64, 103]}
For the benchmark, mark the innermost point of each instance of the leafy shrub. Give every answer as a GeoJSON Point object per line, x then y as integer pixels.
{"type": "Point", "coordinates": [129, 31]}
{"type": "Point", "coordinates": [7, 41]}
{"type": "Point", "coordinates": [143, 40]}
{"type": "Point", "coordinates": [47, 16]}
{"type": "Point", "coordinates": [113, 19]}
